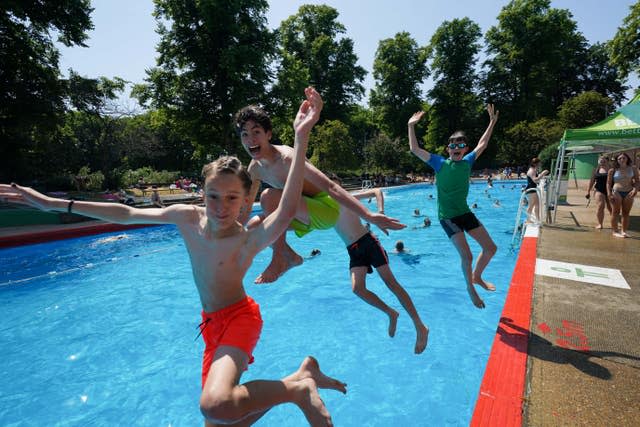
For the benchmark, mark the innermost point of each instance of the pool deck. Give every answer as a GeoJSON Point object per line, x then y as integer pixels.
{"type": "Point", "coordinates": [567, 348]}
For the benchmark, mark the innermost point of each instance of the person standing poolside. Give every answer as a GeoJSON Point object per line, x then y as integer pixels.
{"type": "Point", "coordinates": [221, 251]}
{"type": "Point", "coordinates": [452, 183]}
{"type": "Point", "coordinates": [599, 178]}
{"type": "Point", "coordinates": [322, 199]}
{"type": "Point", "coordinates": [533, 178]}
{"type": "Point", "coordinates": [366, 251]}
{"type": "Point", "coordinates": [622, 186]}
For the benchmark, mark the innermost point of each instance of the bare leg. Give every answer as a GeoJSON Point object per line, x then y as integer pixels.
{"type": "Point", "coordinates": [489, 249]}
{"type": "Point", "coordinates": [460, 243]}
{"type": "Point", "coordinates": [224, 401]}
{"type": "Point", "coordinates": [358, 285]}
{"type": "Point", "coordinates": [532, 216]}
{"type": "Point", "coordinates": [627, 204]}
{"type": "Point", "coordinates": [600, 205]}
{"type": "Point", "coordinates": [284, 257]}
{"type": "Point", "coordinates": [422, 331]}
{"type": "Point", "coordinates": [616, 206]}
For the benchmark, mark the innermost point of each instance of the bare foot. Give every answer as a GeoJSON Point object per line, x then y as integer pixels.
{"type": "Point", "coordinates": [310, 368]}
{"type": "Point", "coordinates": [393, 322]}
{"type": "Point", "coordinates": [278, 266]}
{"type": "Point", "coordinates": [488, 286]}
{"type": "Point", "coordinates": [312, 405]}
{"type": "Point", "coordinates": [624, 234]}
{"type": "Point", "coordinates": [421, 339]}
{"type": "Point", "coordinates": [599, 227]}
{"type": "Point", "coordinates": [618, 234]}
{"type": "Point", "coordinates": [477, 301]}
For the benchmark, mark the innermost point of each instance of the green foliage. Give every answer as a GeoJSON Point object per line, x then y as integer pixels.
{"type": "Point", "coordinates": [213, 59]}
{"type": "Point", "coordinates": [86, 180]}
{"type": "Point", "coordinates": [32, 95]}
{"type": "Point", "coordinates": [526, 140]}
{"type": "Point", "coordinates": [129, 178]}
{"type": "Point", "coordinates": [599, 75]}
{"type": "Point", "coordinates": [386, 155]}
{"type": "Point", "coordinates": [399, 69]}
{"type": "Point", "coordinates": [625, 46]}
{"type": "Point", "coordinates": [311, 53]}
{"type": "Point", "coordinates": [584, 110]}
{"type": "Point", "coordinates": [332, 147]}
{"type": "Point", "coordinates": [453, 50]}
{"type": "Point", "coordinates": [535, 55]}
{"type": "Point", "coordinates": [547, 155]}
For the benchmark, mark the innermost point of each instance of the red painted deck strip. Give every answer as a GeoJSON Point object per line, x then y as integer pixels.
{"type": "Point", "coordinates": [500, 399]}
{"type": "Point", "coordinates": [67, 233]}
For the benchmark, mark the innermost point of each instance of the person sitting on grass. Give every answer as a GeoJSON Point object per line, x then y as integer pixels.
{"type": "Point", "coordinates": [221, 250]}
{"type": "Point", "coordinates": [452, 183]}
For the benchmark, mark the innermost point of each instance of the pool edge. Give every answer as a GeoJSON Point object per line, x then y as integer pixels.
{"type": "Point", "coordinates": [58, 233]}
{"type": "Point", "coordinates": [501, 392]}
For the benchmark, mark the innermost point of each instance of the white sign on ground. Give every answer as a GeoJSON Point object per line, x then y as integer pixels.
{"type": "Point", "coordinates": [581, 273]}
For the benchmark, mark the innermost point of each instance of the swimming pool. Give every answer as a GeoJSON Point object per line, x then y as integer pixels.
{"type": "Point", "coordinates": [101, 330]}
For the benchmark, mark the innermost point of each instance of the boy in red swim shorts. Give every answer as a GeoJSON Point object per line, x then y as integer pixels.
{"type": "Point", "coordinates": [221, 251]}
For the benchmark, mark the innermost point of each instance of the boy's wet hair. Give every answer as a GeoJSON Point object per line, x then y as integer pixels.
{"type": "Point", "coordinates": [457, 134]}
{"type": "Point", "coordinates": [255, 113]}
{"type": "Point", "coordinates": [230, 165]}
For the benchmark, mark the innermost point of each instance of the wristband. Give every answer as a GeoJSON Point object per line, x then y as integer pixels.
{"type": "Point", "coordinates": [70, 205]}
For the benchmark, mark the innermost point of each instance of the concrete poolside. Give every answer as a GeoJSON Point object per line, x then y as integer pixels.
{"type": "Point", "coordinates": [583, 364]}
{"type": "Point", "coordinates": [583, 353]}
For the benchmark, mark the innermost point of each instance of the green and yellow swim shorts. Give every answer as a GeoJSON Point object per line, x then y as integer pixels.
{"type": "Point", "coordinates": [323, 214]}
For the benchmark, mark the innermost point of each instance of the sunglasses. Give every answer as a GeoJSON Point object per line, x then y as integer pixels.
{"type": "Point", "coordinates": [458, 145]}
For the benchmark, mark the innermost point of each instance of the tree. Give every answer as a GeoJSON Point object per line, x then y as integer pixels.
{"type": "Point", "coordinates": [332, 147]}
{"type": "Point", "coordinates": [213, 58]}
{"type": "Point", "coordinates": [534, 56]}
{"type": "Point", "coordinates": [453, 50]}
{"type": "Point", "coordinates": [32, 94]}
{"type": "Point", "coordinates": [311, 52]}
{"type": "Point", "coordinates": [584, 110]}
{"type": "Point", "coordinates": [526, 140]}
{"type": "Point", "coordinates": [399, 69]}
{"type": "Point", "coordinates": [625, 46]}
{"type": "Point", "coordinates": [599, 75]}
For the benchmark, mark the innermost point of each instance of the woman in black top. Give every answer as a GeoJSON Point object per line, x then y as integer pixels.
{"type": "Point", "coordinates": [599, 178]}
{"type": "Point", "coordinates": [533, 178]}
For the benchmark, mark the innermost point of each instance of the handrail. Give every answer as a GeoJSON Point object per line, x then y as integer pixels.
{"type": "Point", "coordinates": [520, 226]}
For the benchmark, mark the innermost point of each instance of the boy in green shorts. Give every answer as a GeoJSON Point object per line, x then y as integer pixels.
{"type": "Point", "coordinates": [321, 202]}
{"type": "Point", "coordinates": [452, 183]}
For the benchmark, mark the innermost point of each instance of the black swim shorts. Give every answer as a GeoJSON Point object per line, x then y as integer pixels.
{"type": "Point", "coordinates": [458, 224]}
{"type": "Point", "coordinates": [366, 252]}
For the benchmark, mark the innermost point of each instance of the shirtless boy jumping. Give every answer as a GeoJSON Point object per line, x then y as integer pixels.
{"type": "Point", "coordinates": [221, 251]}
{"type": "Point", "coordinates": [366, 251]}
{"type": "Point", "coordinates": [321, 202]}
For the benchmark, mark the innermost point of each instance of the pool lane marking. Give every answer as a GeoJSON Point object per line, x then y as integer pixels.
{"type": "Point", "coordinates": [581, 273]}
{"type": "Point", "coordinates": [502, 389]}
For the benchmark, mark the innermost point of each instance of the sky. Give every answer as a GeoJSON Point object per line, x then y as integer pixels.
{"type": "Point", "coordinates": [123, 42]}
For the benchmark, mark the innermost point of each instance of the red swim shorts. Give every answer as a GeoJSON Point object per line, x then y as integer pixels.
{"type": "Point", "coordinates": [237, 325]}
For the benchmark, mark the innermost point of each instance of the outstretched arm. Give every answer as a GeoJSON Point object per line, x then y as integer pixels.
{"type": "Point", "coordinates": [277, 222]}
{"type": "Point", "coordinates": [112, 212]}
{"type": "Point", "coordinates": [346, 200]}
{"type": "Point", "coordinates": [484, 140]}
{"type": "Point", "coordinates": [422, 154]}
{"type": "Point", "coordinates": [377, 193]}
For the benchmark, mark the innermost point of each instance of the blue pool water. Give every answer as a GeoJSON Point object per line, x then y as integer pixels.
{"type": "Point", "coordinates": [103, 333]}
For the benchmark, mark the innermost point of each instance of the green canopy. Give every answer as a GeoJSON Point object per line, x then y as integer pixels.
{"type": "Point", "coordinates": [620, 131]}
